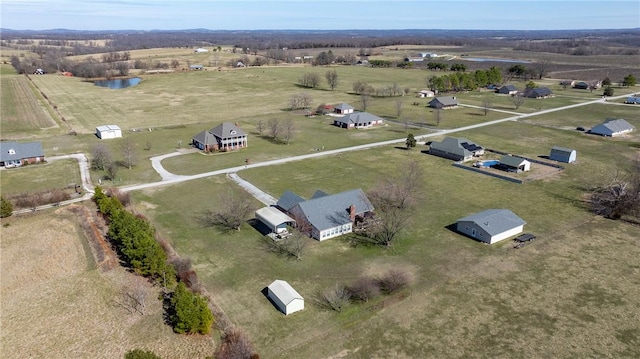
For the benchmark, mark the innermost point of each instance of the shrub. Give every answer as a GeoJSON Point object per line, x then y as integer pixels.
{"type": "Point", "coordinates": [191, 313]}
{"type": "Point", "coordinates": [364, 289]}
{"type": "Point", "coordinates": [140, 354]}
{"type": "Point", "coordinates": [393, 281]}
{"type": "Point", "coordinates": [336, 298]}
{"type": "Point", "coordinates": [235, 345]}
{"type": "Point", "coordinates": [6, 208]}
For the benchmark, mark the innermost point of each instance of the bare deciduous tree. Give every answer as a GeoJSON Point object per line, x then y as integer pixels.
{"type": "Point", "coordinates": [235, 345]}
{"type": "Point", "coordinates": [232, 211]}
{"type": "Point", "coordinates": [620, 196]}
{"type": "Point", "coordinates": [311, 80]}
{"type": "Point", "coordinates": [112, 170]}
{"type": "Point", "coordinates": [364, 289]}
{"type": "Point", "coordinates": [100, 157]}
{"type": "Point", "coordinates": [300, 101]}
{"type": "Point", "coordinates": [128, 152]}
{"type": "Point", "coordinates": [133, 295]}
{"type": "Point", "coordinates": [335, 298]}
{"type": "Point", "coordinates": [332, 79]}
{"type": "Point", "coordinates": [486, 106]}
{"type": "Point", "coordinates": [394, 280]}
{"type": "Point", "coordinates": [288, 129]}
{"type": "Point", "coordinates": [275, 128]}
{"type": "Point", "coordinates": [399, 108]}
{"type": "Point", "coordinates": [437, 115]}
{"type": "Point", "coordinates": [291, 246]}
{"type": "Point", "coordinates": [518, 100]}
{"type": "Point", "coordinates": [365, 97]}
{"type": "Point", "coordinates": [260, 127]}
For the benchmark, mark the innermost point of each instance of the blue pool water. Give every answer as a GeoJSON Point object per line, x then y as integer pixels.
{"type": "Point", "coordinates": [487, 163]}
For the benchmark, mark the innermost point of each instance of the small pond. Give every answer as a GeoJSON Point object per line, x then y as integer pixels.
{"type": "Point", "coordinates": [118, 83]}
{"type": "Point", "coordinates": [485, 59]}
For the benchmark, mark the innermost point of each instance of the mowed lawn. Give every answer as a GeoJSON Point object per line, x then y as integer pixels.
{"type": "Point", "coordinates": [22, 108]}
{"type": "Point", "coordinates": [577, 281]}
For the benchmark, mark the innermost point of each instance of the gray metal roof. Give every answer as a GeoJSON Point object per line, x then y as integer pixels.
{"type": "Point", "coordinates": [273, 216]}
{"type": "Point", "coordinates": [205, 137]}
{"type": "Point", "coordinates": [561, 150]}
{"type": "Point", "coordinates": [12, 151]}
{"type": "Point", "coordinates": [508, 88]}
{"type": "Point", "coordinates": [495, 221]}
{"type": "Point", "coordinates": [358, 118]}
{"type": "Point", "coordinates": [456, 145]}
{"type": "Point", "coordinates": [288, 200]}
{"type": "Point", "coordinates": [333, 210]}
{"type": "Point", "coordinates": [284, 291]}
{"type": "Point", "coordinates": [227, 130]}
{"type": "Point", "coordinates": [446, 100]}
{"type": "Point", "coordinates": [513, 161]}
{"type": "Point", "coordinates": [613, 125]}
{"type": "Point", "coordinates": [537, 92]}
{"type": "Point", "coordinates": [343, 106]}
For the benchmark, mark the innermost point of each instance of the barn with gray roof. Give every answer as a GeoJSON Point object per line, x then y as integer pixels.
{"type": "Point", "coordinates": [612, 127]}
{"type": "Point", "coordinates": [491, 226]}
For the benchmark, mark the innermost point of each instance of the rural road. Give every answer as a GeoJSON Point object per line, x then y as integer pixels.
{"type": "Point", "coordinates": [169, 178]}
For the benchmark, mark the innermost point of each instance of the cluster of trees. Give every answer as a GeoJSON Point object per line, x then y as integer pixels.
{"type": "Point", "coordinates": [279, 130]}
{"type": "Point", "coordinates": [191, 313]}
{"type": "Point", "coordinates": [102, 159]}
{"type": "Point", "coordinates": [581, 47]}
{"type": "Point", "coordinates": [363, 88]}
{"type": "Point", "coordinates": [135, 240]}
{"type": "Point", "coordinates": [465, 81]}
{"type": "Point", "coordinates": [380, 63]}
{"type": "Point", "coordinates": [312, 80]}
{"type": "Point", "coordinates": [620, 196]}
{"type": "Point", "coordinates": [300, 101]}
{"type": "Point", "coordinates": [363, 290]}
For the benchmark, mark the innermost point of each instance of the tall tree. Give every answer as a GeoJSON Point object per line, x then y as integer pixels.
{"type": "Point", "coordinates": [129, 152]}
{"type": "Point", "coordinates": [365, 97]}
{"type": "Point", "coordinates": [232, 210]}
{"type": "Point", "coordinates": [191, 314]}
{"type": "Point", "coordinates": [437, 114]}
{"type": "Point", "coordinates": [411, 141]}
{"type": "Point", "coordinates": [275, 128]}
{"type": "Point", "coordinates": [100, 157]}
{"type": "Point", "coordinates": [332, 79]}
{"type": "Point", "coordinates": [486, 106]}
{"type": "Point", "coordinates": [518, 100]}
{"type": "Point", "coordinates": [629, 80]}
{"type": "Point", "coordinates": [399, 108]}
{"type": "Point", "coordinates": [288, 129]}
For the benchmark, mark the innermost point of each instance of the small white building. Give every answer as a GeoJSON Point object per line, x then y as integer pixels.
{"type": "Point", "coordinates": [491, 226]}
{"type": "Point", "coordinates": [287, 299]}
{"type": "Point", "coordinates": [200, 49]}
{"type": "Point", "coordinates": [274, 219]}
{"type": "Point", "coordinates": [108, 131]}
{"type": "Point", "coordinates": [515, 163]}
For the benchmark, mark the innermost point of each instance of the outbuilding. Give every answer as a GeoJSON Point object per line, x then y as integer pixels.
{"type": "Point", "coordinates": [274, 219]}
{"type": "Point", "coordinates": [514, 164]}
{"type": "Point", "coordinates": [562, 154]}
{"type": "Point", "coordinates": [108, 131]}
{"type": "Point", "coordinates": [285, 298]}
{"type": "Point", "coordinates": [612, 127]}
{"type": "Point", "coordinates": [491, 226]}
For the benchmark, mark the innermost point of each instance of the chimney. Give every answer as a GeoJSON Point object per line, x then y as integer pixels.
{"type": "Point", "coordinates": [352, 213]}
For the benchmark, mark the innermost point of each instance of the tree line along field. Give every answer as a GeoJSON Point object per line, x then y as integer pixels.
{"type": "Point", "coordinates": [467, 300]}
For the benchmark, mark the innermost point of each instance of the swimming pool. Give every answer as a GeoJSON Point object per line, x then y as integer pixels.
{"type": "Point", "coordinates": [487, 163]}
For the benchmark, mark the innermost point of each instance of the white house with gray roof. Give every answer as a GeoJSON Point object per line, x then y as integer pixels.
{"type": "Point", "coordinates": [343, 108]}
{"type": "Point", "coordinates": [457, 149]}
{"type": "Point", "coordinates": [612, 127]}
{"type": "Point", "coordinates": [286, 299]}
{"type": "Point", "coordinates": [444, 102]}
{"type": "Point", "coordinates": [358, 120]}
{"type": "Point", "coordinates": [224, 137]}
{"type": "Point", "coordinates": [491, 226]}
{"type": "Point", "coordinates": [326, 216]}
{"type": "Point", "coordinates": [16, 154]}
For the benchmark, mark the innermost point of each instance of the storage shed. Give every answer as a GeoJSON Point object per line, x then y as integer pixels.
{"type": "Point", "coordinates": [491, 226]}
{"type": "Point", "coordinates": [286, 299]}
{"type": "Point", "coordinates": [562, 154]}
{"type": "Point", "coordinates": [274, 219]}
{"type": "Point", "coordinates": [514, 164]}
{"type": "Point", "coordinates": [108, 131]}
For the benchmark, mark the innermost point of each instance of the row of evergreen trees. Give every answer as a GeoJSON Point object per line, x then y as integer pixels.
{"type": "Point", "coordinates": [135, 240]}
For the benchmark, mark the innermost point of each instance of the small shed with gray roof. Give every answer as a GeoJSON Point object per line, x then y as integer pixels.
{"type": "Point", "coordinates": [326, 216]}
{"type": "Point", "coordinates": [491, 226]}
{"type": "Point", "coordinates": [286, 299]}
{"type": "Point", "coordinates": [444, 102]}
{"type": "Point", "coordinates": [514, 164]}
{"type": "Point", "coordinates": [562, 154]}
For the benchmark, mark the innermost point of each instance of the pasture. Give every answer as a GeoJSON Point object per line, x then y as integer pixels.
{"type": "Point", "coordinates": [57, 304]}
{"type": "Point", "coordinates": [526, 302]}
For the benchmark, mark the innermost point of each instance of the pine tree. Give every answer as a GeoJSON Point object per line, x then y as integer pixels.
{"type": "Point", "coordinates": [6, 208]}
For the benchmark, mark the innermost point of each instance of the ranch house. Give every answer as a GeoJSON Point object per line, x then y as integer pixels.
{"type": "Point", "coordinates": [358, 120]}
{"type": "Point", "coordinates": [457, 149]}
{"type": "Point", "coordinates": [15, 154]}
{"type": "Point", "coordinates": [444, 102]}
{"type": "Point", "coordinates": [491, 226]}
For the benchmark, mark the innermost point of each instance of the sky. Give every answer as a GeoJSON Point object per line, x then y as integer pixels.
{"type": "Point", "coordinates": [318, 15]}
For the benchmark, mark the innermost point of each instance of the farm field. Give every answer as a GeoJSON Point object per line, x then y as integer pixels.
{"type": "Point", "coordinates": [561, 289]}
{"type": "Point", "coordinates": [41, 177]}
{"type": "Point", "coordinates": [22, 109]}
{"type": "Point", "coordinates": [57, 304]}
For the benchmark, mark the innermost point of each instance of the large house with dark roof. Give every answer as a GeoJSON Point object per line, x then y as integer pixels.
{"type": "Point", "coordinates": [444, 102]}
{"type": "Point", "coordinates": [358, 120]}
{"type": "Point", "coordinates": [224, 137]}
{"type": "Point", "coordinates": [15, 154]}
{"type": "Point", "coordinates": [507, 90]}
{"type": "Point", "coordinates": [326, 216]}
{"type": "Point", "coordinates": [457, 149]}
{"type": "Point", "coordinates": [538, 92]}
{"type": "Point", "coordinates": [491, 226]}
{"type": "Point", "coordinates": [612, 127]}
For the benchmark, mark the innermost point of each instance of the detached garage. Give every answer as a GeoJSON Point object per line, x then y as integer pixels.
{"type": "Point", "coordinates": [108, 131]}
{"type": "Point", "coordinates": [285, 297]}
{"type": "Point", "coordinates": [491, 226]}
{"type": "Point", "coordinates": [561, 154]}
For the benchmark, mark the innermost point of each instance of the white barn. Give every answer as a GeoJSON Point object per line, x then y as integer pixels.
{"type": "Point", "coordinates": [287, 299]}
{"type": "Point", "coordinates": [612, 127]}
{"type": "Point", "coordinates": [491, 226]}
{"type": "Point", "coordinates": [108, 131]}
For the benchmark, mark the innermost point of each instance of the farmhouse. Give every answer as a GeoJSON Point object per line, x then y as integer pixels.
{"type": "Point", "coordinates": [514, 164]}
{"type": "Point", "coordinates": [108, 131]}
{"type": "Point", "coordinates": [632, 100]}
{"type": "Point", "coordinates": [196, 67]}
{"type": "Point", "coordinates": [507, 90]}
{"type": "Point", "coordinates": [326, 216]}
{"type": "Point", "coordinates": [491, 226]}
{"type": "Point", "coordinates": [15, 154]}
{"type": "Point", "coordinates": [612, 127]}
{"type": "Point", "coordinates": [562, 154]}
{"type": "Point", "coordinates": [286, 299]}
{"type": "Point", "coordinates": [425, 93]}
{"type": "Point", "coordinates": [444, 102]}
{"type": "Point", "coordinates": [457, 149]}
{"type": "Point", "coordinates": [358, 120]}
{"type": "Point", "coordinates": [538, 92]}
{"type": "Point", "coordinates": [343, 108]}
{"type": "Point", "coordinates": [223, 137]}
{"type": "Point", "coordinates": [274, 219]}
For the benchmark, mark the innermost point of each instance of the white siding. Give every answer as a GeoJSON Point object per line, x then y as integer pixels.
{"type": "Point", "coordinates": [507, 234]}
